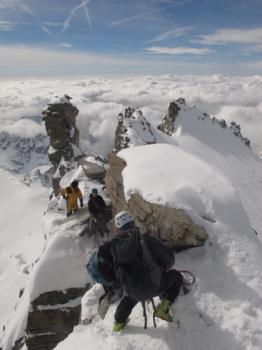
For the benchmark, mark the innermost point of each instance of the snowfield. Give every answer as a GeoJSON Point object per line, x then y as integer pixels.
{"type": "Point", "coordinates": [22, 240]}
{"type": "Point", "coordinates": [201, 168]}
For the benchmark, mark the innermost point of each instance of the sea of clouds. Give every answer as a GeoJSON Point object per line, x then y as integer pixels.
{"type": "Point", "coordinates": [100, 100]}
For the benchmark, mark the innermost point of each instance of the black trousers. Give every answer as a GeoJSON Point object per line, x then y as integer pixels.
{"type": "Point", "coordinates": [170, 286]}
{"type": "Point", "coordinates": [101, 223]}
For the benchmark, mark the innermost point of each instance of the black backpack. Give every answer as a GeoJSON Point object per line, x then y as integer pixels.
{"type": "Point", "coordinates": [143, 277]}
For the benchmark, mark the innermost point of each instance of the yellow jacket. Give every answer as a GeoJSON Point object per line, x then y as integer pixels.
{"type": "Point", "coordinates": [71, 198]}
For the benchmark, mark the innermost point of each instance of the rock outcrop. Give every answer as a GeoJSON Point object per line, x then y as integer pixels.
{"type": "Point", "coordinates": [60, 123]}
{"type": "Point", "coordinates": [174, 225]}
{"type": "Point", "coordinates": [93, 170]}
{"type": "Point", "coordinates": [133, 129]}
{"type": "Point", "coordinates": [168, 123]}
{"type": "Point", "coordinates": [52, 317]}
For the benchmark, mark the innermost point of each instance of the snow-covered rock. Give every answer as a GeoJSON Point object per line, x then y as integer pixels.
{"type": "Point", "coordinates": [94, 167]}
{"type": "Point", "coordinates": [42, 174]}
{"type": "Point", "coordinates": [158, 217]}
{"type": "Point", "coordinates": [180, 115]}
{"type": "Point", "coordinates": [133, 129]}
{"type": "Point", "coordinates": [22, 153]}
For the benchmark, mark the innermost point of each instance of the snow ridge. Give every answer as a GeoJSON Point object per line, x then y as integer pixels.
{"type": "Point", "coordinates": [179, 111]}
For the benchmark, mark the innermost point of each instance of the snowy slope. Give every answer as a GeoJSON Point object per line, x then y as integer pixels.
{"type": "Point", "coordinates": [61, 266]}
{"type": "Point", "coordinates": [21, 239]}
{"type": "Point", "coordinates": [218, 148]}
{"type": "Point", "coordinates": [60, 252]}
{"type": "Point", "coordinates": [215, 177]}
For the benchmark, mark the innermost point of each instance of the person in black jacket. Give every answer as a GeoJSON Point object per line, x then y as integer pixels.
{"type": "Point", "coordinates": [140, 281]}
{"type": "Point", "coordinates": [97, 209]}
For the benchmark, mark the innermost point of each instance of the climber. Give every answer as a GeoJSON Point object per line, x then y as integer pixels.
{"type": "Point", "coordinates": [71, 194]}
{"type": "Point", "coordinates": [141, 264]}
{"type": "Point", "coordinates": [97, 209]}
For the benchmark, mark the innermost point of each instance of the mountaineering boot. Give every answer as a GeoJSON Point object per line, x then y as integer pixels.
{"type": "Point", "coordinates": [117, 326]}
{"type": "Point", "coordinates": [162, 311]}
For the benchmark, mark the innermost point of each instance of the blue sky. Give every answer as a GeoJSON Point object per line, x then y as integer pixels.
{"type": "Point", "coordinates": [111, 37]}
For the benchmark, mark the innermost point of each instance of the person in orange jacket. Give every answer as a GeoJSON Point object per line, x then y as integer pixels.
{"type": "Point", "coordinates": [72, 194]}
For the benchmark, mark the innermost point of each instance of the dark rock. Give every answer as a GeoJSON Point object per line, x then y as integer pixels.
{"type": "Point", "coordinates": [51, 321]}
{"type": "Point", "coordinates": [60, 123]}
{"type": "Point", "coordinates": [19, 343]}
{"type": "Point", "coordinates": [58, 297]}
{"type": "Point", "coordinates": [167, 124]}
{"type": "Point", "coordinates": [52, 317]}
{"type": "Point", "coordinates": [45, 341]}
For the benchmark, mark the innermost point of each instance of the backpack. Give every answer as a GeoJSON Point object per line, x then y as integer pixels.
{"type": "Point", "coordinates": [142, 279]}
{"type": "Point", "coordinates": [93, 268]}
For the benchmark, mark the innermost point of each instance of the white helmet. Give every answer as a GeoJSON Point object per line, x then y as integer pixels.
{"type": "Point", "coordinates": [123, 218]}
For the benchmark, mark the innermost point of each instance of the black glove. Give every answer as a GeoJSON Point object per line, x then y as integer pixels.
{"type": "Point", "coordinates": [81, 203]}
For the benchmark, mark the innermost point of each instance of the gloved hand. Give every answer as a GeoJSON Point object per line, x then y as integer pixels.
{"type": "Point", "coordinates": [81, 203]}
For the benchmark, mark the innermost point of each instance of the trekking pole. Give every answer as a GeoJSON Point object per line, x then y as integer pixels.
{"type": "Point", "coordinates": [144, 313]}
{"type": "Point", "coordinates": [154, 313]}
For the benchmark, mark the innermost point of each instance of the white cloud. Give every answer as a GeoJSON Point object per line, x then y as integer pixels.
{"type": "Point", "coordinates": [22, 60]}
{"type": "Point", "coordinates": [224, 36]}
{"type": "Point", "coordinates": [47, 58]}
{"type": "Point", "coordinates": [50, 61]}
{"type": "Point", "coordinates": [6, 25]}
{"type": "Point", "coordinates": [101, 99]}
{"type": "Point", "coordinates": [174, 33]}
{"type": "Point", "coordinates": [24, 128]}
{"type": "Point", "coordinates": [16, 5]}
{"type": "Point", "coordinates": [179, 50]}
{"type": "Point", "coordinates": [66, 45]}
